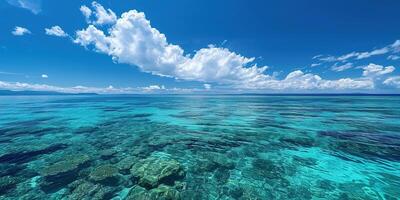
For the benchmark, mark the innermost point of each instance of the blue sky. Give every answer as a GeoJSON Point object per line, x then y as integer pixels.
{"type": "Point", "coordinates": [200, 46]}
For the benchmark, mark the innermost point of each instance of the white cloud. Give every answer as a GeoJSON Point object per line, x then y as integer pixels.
{"type": "Point", "coordinates": [86, 12]}
{"type": "Point", "coordinates": [393, 57]}
{"type": "Point", "coordinates": [373, 53]}
{"type": "Point", "coordinates": [347, 56]}
{"type": "Point", "coordinates": [33, 5]}
{"type": "Point", "coordinates": [102, 16]}
{"type": "Point", "coordinates": [340, 68]}
{"type": "Point", "coordinates": [317, 56]}
{"type": "Point", "coordinates": [315, 64]}
{"type": "Point", "coordinates": [18, 86]}
{"type": "Point", "coordinates": [327, 59]}
{"type": "Point", "coordinates": [45, 76]}
{"type": "Point", "coordinates": [373, 70]}
{"type": "Point", "coordinates": [393, 81]}
{"type": "Point", "coordinates": [207, 86]}
{"type": "Point", "coordinates": [20, 31]}
{"type": "Point", "coordinates": [132, 40]}
{"type": "Point", "coordinates": [56, 31]}
{"type": "Point", "coordinates": [394, 47]}
{"type": "Point", "coordinates": [298, 80]}
{"type": "Point", "coordinates": [154, 87]}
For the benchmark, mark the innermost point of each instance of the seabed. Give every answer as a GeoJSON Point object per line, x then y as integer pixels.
{"type": "Point", "coordinates": [200, 147]}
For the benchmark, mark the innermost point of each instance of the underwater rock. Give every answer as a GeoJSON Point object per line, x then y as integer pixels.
{"type": "Point", "coordinates": [233, 190]}
{"type": "Point", "coordinates": [165, 192]}
{"type": "Point", "coordinates": [138, 193]}
{"type": "Point", "coordinates": [106, 174]}
{"type": "Point", "coordinates": [9, 169]}
{"type": "Point", "coordinates": [202, 166]}
{"type": "Point", "coordinates": [222, 175]}
{"type": "Point", "coordinates": [63, 172]}
{"type": "Point", "coordinates": [7, 183]}
{"type": "Point", "coordinates": [70, 163]}
{"type": "Point", "coordinates": [162, 192]}
{"type": "Point", "coordinates": [266, 169]}
{"type": "Point", "coordinates": [107, 154]}
{"type": "Point", "coordinates": [153, 171]}
{"type": "Point", "coordinates": [126, 164]}
{"type": "Point", "coordinates": [104, 192]}
{"type": "Point", "coordinates": [221, 160]}
{"type": "Point", "coordinates": [83, 191]}
{"type": "Point", "coordinates": [26, 156]}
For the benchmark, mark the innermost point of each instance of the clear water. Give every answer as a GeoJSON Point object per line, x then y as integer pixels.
{"type": "Point", "coordinates": [227, 147]}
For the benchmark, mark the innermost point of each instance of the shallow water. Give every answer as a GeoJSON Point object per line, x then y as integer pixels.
{"type": "Point", "coordinates": [200, 147]}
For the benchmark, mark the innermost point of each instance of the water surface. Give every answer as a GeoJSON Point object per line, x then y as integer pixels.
{"type": "Point", "coordinates": [200, 147]}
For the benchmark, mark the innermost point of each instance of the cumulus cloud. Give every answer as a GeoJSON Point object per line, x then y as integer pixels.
{"type": "Point", "coordinates": [20, 31]}
{"type": "Point", "coordinates": [101, 15]}
{"type": "Point", "coordinates": [86, 12]}
{"type": "Point", "coordinates": [45, 76]}
{"type": "Point", "coordinates": [132, 40]}
{"type": "Point", "coordinates": [55, 31]}
{"type": "Point", "coordinates": [374, 70]}
{"type": "Point", "coordinates": [32, 5]}
{"type": "Point", "coordinates": [392, 48]}
{"type": "Point", "coordinates": [339, 68]}
{"type": "Point", "coordinates": [393, 81]}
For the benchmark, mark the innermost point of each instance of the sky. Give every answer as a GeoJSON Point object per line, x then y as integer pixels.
{"type": "Point", "coordinates": [180, 46]}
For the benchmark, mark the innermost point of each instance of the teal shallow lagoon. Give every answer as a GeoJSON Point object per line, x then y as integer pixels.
{"type": "Point", "coordinates": [200, 147]}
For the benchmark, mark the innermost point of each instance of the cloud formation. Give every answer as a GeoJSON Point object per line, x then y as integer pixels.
{"type": "Point", "coordinates": [339, 68]}
{"type": "Point", "coordinates": [44, 76]}
{"type": "Point", "coordinates": [101, 15]}
{"type": "Point", "coordinates": [393, 57]}
{"type": "Point", "coordinates": [55, 31]}
{"type": "Point", "coordinates": [32, 5]}
{"type": "Point", "coordinates": [374, 70]}
{"type": "Point", "coordinates": [18, 86]}
{"type": "Point", "coordinates": [132, 40]}
{"type": "Point", "coordinates": [20, 31]}
{"type": "Point", "coordinates": [393, 81]}
{"type": "Point", "coordinates": [207, 86]}
{"type": "Point", "coordinates": [392, 48]}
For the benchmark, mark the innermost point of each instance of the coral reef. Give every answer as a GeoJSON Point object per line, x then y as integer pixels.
{"type": "Point", "coordinates": [153, 171]}
{"type": "Point", "coordinates": [106, 174]}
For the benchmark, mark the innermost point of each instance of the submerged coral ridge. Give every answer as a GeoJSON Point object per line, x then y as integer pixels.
{"type": "Point", "coordinates": [195, 147]}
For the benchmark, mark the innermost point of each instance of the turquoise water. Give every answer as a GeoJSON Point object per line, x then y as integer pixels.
{"type": "Point", "coordinates": [200, 147]}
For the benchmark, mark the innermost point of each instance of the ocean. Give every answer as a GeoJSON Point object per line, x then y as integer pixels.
{"type": "Point", "coordinates": [200, 147]}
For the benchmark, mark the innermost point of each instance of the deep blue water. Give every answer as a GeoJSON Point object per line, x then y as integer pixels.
{"type": "Point", "coordinates": [200, 147]}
